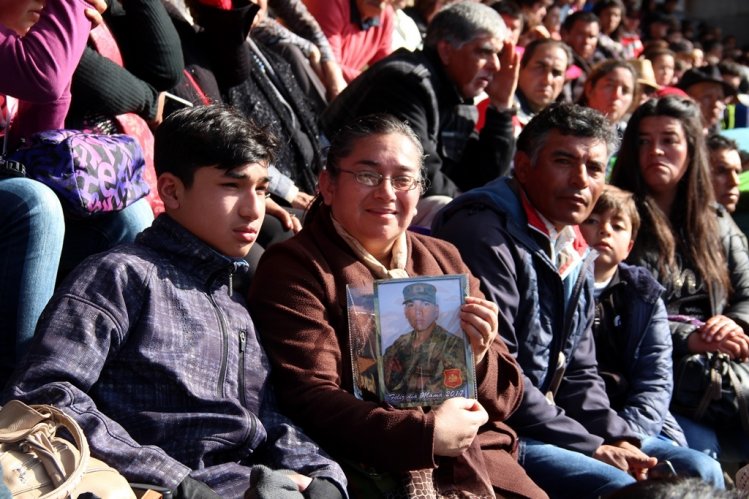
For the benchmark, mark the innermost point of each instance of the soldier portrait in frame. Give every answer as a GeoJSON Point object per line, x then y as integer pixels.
{"type": "Point", "coordinates": [425, 357]}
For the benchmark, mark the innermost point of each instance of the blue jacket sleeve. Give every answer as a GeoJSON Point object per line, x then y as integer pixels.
{"type": "Point", "coordinates": [583, 394]}
{"type": "Point", "coordinates": [650, 375]}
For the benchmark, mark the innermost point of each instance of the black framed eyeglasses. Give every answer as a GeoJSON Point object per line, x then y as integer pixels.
{"type": "Point", "coordinates": [372, 179]}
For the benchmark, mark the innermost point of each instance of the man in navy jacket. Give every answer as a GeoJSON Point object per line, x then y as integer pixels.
{"type": "Point", "coordinates": [520, 236]}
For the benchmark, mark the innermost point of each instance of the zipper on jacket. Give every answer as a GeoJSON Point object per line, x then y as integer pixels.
{"type": "Point", "coordinates": [575, 295]}
{"type": "Point", "coordinates": [224, 337]}
{"type": "Point", "coordinates": [242, 390]}
{"type": "Point", "coordinates": [242, 345]}
{"type": "Point", "coordinates": [570, 312]}
{"type": "Point", "coordinates": [567, 319]}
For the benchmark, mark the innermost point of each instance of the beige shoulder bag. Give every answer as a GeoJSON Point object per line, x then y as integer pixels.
{"type": "Point", "coordinates": [36, 463]}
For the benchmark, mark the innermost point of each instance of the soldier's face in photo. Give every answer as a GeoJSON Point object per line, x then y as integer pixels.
{"type": "Point", "coordinates": [421, 314]}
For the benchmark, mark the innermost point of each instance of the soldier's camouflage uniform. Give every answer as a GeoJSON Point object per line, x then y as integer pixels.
{"type": "Point", "coordinates": [436, 365]}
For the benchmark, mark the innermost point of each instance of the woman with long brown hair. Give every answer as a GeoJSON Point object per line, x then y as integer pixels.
{"type": "Point", "coordinates": [688, 242]}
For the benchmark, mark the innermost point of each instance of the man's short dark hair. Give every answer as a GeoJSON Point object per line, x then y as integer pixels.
{"type": "Point", "coordinates": [215, 136]}
{"type": "Point", "coordinates": [542, 42]}
{"type": "Point", "coordinates": [717, 142]}
{"type": "Point", "coordinates": [602, 5]}
{"type": "Point", "coordinates": [528, 3]}
{"type": "Point", "coordinates": [582, 16]}
{"type": "Point", "coordinates": [567, 119]}
{"type": "Point", "coordinates": [507, 8]}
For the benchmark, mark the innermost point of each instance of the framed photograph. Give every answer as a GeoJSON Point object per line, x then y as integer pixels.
{"type": "Point", "coordinates": [423, 355]}
{"type": "Point", "coordinates": [363, 341]}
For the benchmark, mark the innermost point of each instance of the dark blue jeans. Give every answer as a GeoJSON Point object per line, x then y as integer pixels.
{"type": "Point", "coordinates": [686, 461]}
{"type": "Point", "coordinates": [31, 235]}
{"type": "Point", "coordinates": [564, 473]}
{"type": "Point", "coordinates": [34, 239]}
{"type": "Point", "coordinates": [723, 445]}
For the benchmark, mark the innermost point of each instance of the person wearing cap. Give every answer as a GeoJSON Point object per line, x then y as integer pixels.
{"type": "Point", "coordinates": [706, 86]}
{"type": "Point", "coordinates": [428, 358]}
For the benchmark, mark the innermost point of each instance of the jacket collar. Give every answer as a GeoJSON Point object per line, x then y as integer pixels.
{"type": "Point", "coordinates": [187, 251]}
{"type": "Point", "coordinates": [506, 196]}
{"type": "Point", "coordinates": [647, 288]}
{"type": "Point", "coordinates": [447, 92]}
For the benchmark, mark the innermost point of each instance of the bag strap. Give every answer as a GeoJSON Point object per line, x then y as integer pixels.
{"type": "Point", "coordinates": [36, 425]}
{"type": "Point", "coordinates": [740, 391]}
{"type": "Point", "coordinates": [713, 391]}
{"type": "Point", "coordinates": [556, 378]}
{"type": "Point", "coordinates": [79, 438]}
{"type": "Point", "coordinates": [17, 421]}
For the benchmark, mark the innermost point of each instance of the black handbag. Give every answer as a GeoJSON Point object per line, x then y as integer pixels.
{"type": "Point", "coordinates": [711, 388]}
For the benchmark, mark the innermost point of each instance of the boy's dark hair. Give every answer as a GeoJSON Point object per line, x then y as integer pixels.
{"type": "Point", "coordinates": [215, 136]}
{"type": "Point", "coordinates": [620, 202]}
{"type": "Point", "coordinates": [568, 119]}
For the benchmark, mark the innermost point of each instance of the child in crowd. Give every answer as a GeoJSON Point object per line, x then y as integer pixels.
{"type": "Point", "coordinates": [633, 340]}
{"type": "Point", "coordinates": [156, 357]}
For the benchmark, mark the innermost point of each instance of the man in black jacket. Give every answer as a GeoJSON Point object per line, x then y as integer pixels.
{"type": "Point", "coordinates": [466, 53]}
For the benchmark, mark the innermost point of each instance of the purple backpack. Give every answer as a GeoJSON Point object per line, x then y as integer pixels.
{"type": "Point", "coordinates": [91, 173]}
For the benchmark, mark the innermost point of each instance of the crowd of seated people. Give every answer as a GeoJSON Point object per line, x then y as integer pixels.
{"type": "Point", "coordinates": [565, 156]}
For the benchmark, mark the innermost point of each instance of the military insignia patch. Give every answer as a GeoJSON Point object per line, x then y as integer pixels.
{"type": "Point", "coordinates": [452, 378]}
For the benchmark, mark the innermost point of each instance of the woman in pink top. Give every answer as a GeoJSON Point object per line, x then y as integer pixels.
{"type": "Point", "coordinates": [41, 42]}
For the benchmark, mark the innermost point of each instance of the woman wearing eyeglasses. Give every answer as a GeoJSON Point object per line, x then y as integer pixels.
{"type": "Point", "coordinates": [354, 233]}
